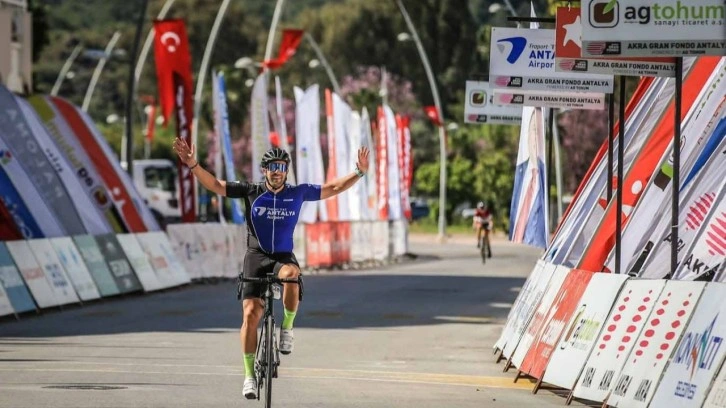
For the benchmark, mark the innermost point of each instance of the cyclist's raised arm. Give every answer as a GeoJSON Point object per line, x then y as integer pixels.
{"type": "Point", "coordinates": [341, 184]}
{"type": "Point", "coordinates": [186, 155]}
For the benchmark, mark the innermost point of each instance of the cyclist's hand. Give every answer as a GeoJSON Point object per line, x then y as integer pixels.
{"type": "Point", "coordinates": [186, 154]}
{"type": "Point", "coordinates": [363, 162]}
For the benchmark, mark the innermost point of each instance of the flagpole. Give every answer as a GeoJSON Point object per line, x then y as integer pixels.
{"type": "Point", "coordinates": [132, 89]}
{"type": "Point", "coordinates": [273, 27]}
{"type": "Point", "coordinates": [442, 134]}
{"type": "Point", "coordinates": [323, 61]}
{"type": "Point", "coordinates": [99, 68]}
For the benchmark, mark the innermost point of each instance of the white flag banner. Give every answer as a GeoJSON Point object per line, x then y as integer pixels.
{"type": "Point", "coordinates": [654, 203]}
{"type": "Point", "coordinates": [642, 28]}
{"type": "Point", "coordinates": [341, 120]}
{"type": "Point", "coordinates": [564, 100]}
{"type": "Point", "coordinates": [308, 153]}
{"type": "Point", "coordinates": [260, 125]}
{"type": "Point", "coordinates": [395, 210]}
{"type": "Point", "coordinates": [707, 255]}
{"type": "Point", "coordinates": [370, 179]}
{"type": "Point", "coordinates": [480, 107]}
{"type": "Point", "coordinates": [282, 126]}
{"type": "Point", "coordinates": [357, 194]}
{"type": "Point", "coordinates": [216, 151]}
{"type": "Point", "coordinates": [524, 59]}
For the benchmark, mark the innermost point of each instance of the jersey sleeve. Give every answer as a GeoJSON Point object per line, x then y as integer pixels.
{"type": "Point", "coordinates": [310, 192]}
{"type": "Point", "coordinates": [237, 189]}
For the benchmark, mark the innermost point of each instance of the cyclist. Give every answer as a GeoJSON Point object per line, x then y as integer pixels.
{"type": "Point", "coordinates": [483, 223]}
{"type": "Point", "coordinates": [272, 208]}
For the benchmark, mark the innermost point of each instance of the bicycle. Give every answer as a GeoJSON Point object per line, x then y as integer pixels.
{"type": "Point", "coordinates": [267, 359]}
{"type": "Point", "coordinates": [484, 245]}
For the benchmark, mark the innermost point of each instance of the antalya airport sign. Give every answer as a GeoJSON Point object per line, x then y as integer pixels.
{"type": "Point", "coordinates": [653, 28]}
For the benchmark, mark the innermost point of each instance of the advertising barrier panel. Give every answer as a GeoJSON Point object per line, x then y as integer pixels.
{"type": "Point", "coordinates": [5, 307]}
{"type": "Point", "coordinates": [480, 107]}
{"type": "Point", "coordinates": [636, 383]}
{"type": "Point", "coordinates": [628, 317]}
{"type": "Point", "coordinates": [583, 329]}
{"type": "Point", "coordinates": [158, 261]}
{"type": "Point", "coordinates": [379, 231]}
{"type": "Point", "coordinates": [119, 266]}
{"type": "Point", "coordinates": [33, 274]}
{"type": "Point", "coordinates": [93, 258]}
{"type": "Point", "coordinates": [299, 244]}
{"type": "Point", "coordinates": [187, 247]}
{"type": "Point", "coordinates": [697, 356]}
{"type": "Point", "coordinates": [139, 262]}
{"type": "Point", "coordinates": [13, 284]}
{"type": "Point", "coordinates": [60, 282]}
{"type": "Point", "coordinates": [73, 264]}
{"type": "Point", "coordinates": [523, 292]}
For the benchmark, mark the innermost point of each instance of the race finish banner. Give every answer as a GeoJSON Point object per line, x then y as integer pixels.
{"type": "Point", "coordinates": [568, 53]}
{"type": "Point", "coordinates": [570, 100]}
{"type": "Point", "coordinates": [480, 107]}
{"type": "Point", "coordinates": [524, 59]}
{"type": "Point", "coordinates": [647, 28]}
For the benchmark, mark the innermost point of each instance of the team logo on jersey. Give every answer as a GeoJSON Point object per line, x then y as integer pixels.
{"type": "Point", "coordinates": [261, 210]}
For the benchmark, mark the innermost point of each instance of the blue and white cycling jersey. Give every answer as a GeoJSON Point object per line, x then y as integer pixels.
{"type": "Point", "coordinates": [272, 216]}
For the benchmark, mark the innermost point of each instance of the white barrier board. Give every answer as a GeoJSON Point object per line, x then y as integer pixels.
{"type": "Point", "coordinates": [177, 268]}
{"type": "Point", "coordinates": [541, 315]}
{"type": "Point", "coordinates": [360, 240]}
{"type": "Point", "coordinates": [5, 307]}
{"type": "Point", "coordinates": [73, 264]}
{"type": "Point", "coordinates": [186, 247]}
{"type": "Point", "coordinates": [717, 395]}
{"type": "Point", "coordinates": [582, 330]}
{"type": "Point", "coordinates": [400, 237]}
{"type": "Point", "coordinates": [13, 284]}
{"type": "Point", "coordinates": [381, 241]}
{"type": "Point", "coordinates": [617, 338]}
{"type": "Point", "coordinates": [298, 244]}
{"type": "Point", "coordinates": [96, 264]}
{"type": "Point", "coordinates": [32, 274]}
{"type": "Point", "coordinates": [139, 262]}
{"type": "Point", "coordinates": [233, 247]}
{"type": "Point", "coordinates": [697, 356]}
{"type": "Point", "coordinates": [54, 272]}
{"type": "Point", "coordinates": [523, 293]}
{"type": "Point", "coordinates": [526, 310]}
{"type": "Point", "coordinates": [636, 383]}
{"type": "Point", "coordinates": [156, 257]}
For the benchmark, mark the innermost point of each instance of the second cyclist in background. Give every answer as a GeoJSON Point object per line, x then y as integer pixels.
{"type": "Point", "coordinates": [483, 224]}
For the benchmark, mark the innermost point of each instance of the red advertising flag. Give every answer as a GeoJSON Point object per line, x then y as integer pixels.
{"type": "Point", "coordinates": [174, 72]}
{"type": "Point", "coordinates": [151, 123]}
{"type": "Point", "coordinates": [404, 161]}
{"type": "Point", "coordinates": [382, 158]}
{"type": "Point", "coordinates": [645, 164]}
{"type": "Point", "coordinates": [331, 205]}
{"type": "Point", "coordinates": [290, 41]}
{"type": "Point", "coordinates": [433, 114]}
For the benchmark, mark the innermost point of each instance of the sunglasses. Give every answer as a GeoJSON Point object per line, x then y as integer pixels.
{"type": "Point", "coordinates": [281, 167]}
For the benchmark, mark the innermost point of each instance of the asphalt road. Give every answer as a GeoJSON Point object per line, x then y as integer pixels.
{"type": "Point", "coordinates": [416, 334]}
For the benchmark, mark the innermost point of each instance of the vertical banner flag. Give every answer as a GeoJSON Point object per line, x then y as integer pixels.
{"type": "Point", "coordinates": [260, 125]}
{"type": "Point", "coordinates": [372, 179]}
{"type": "Point", "coordinates": [173, 70]}
{"type": "Point", "coordinates": [528, 219]}
{"type": "Point", "coordinates": [394, 175]}
{"type": "Point", "coordinates": [568, 51]}
{"type": "Point", "coordinates": [341, 123]}
{"type": "Point", "coordinates": [226, 142]}
{"type": "Point", "coordinates": [644, 28]}
{"type": "Point", "coordinates": [382, 164]}
{"type": "Point", "coordinates": [308, 151]}
{"type": "Point", "coordinates": [283, 127]}
{"type": "Point", "coordinates": [404, 162]}
{"type": "Point", "coordinates": [356, 193]}
{"type": "Point", "coordinates": [215, 152]}
{"type": "Point", "coordinates": [332, 173]}
{"type": "Point", "coordinates": [135, 212]}
{"type": "Point", "coordinates": [291, 39]}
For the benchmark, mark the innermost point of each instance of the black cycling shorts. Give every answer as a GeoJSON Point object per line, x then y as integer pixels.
{"type": "Point", "coordinates": [257, 264]}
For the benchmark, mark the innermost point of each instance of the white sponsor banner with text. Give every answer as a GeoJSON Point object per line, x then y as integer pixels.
{"type": "Point", "coordinates": [697, 356]}
{"type": "Point", "coordinates": [583, 329]}
{"type": "Point", "coordinates": [32, 274]}
{"type": "Point", "coordinates": [523, 294]}
{"type": "Point", "coordinates": [186, 247]}
{"type": "Point", "coordinates": [568, 100]}
{"type": "Point", "coordinates": [636, 383]}
{"type": "Point", "coordinates": [647, 28]}
{"type": "Point", "coordinates": [525, 59]}
{"type": "Point", "coordinates": [541, 314]}
{"type": "Point", "coordinates": [59, 280]}
{"type": "Point", "coordinates": [73, 264]}
{"type": "Point", "coordinates": [139, 262]}
{"type": "Point", "coordinates": [5, 307]}
{"type": "Point", "coordinates": [617, 338]}
{"type": "Point", "coordinates": [157, 258]}
{"type": "Point", "coordinates": [479, 106]}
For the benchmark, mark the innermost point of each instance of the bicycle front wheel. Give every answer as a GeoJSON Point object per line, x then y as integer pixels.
{"type": "Point", "coordinates": [269, 358]}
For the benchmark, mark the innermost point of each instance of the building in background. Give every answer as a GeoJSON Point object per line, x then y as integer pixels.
{"type": "Point", "coordinates": [16, 50]}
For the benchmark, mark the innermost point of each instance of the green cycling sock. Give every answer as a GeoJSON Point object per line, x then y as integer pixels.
{"type": "Point", "coordinates": [249, 364]}
{"type": "Point", "coordinates": [288, 319]}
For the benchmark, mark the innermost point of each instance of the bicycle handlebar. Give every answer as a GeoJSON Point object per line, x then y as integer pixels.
{"type": "Point", "coordinates": [270, 279]}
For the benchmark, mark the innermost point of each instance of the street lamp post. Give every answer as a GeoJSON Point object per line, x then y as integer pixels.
{"type": "Point", "coordinates": [442, 134]}
{"type": "Point", "coordinates": [323, 61]}
{"type": "Point", "coordinates": [64, 70]}
{"type": "Point", "coordinates": [99, 68]}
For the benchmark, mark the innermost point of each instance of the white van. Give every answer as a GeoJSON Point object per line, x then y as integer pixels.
{"type": "Point", "coordinates": [157, 182]}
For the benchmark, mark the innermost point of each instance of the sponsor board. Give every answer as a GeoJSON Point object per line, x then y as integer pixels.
{"type": "Point", "coordinates": [479, 106]}
{"type": "Point", "coordinates": [119, 266]}
{"type": "Point", "coordinates": [648, 28]}
{"type": "Point", "coordinates": [583, 329]}
{"type": "Point", "coordinates": [524, 59]}
{"type": "Point", "coordinates": [568, 51]}
{"type": "Point", "coordinates": [617, 338]}
{"type": "Point", "coordinates": [569, 100]}
{"type": "Point", "coordinates": [13, 284]}
{"type": "Point", "coordinates": [636, 383]}
{"type": "Point", "coordinates": [32, 274]}
{"type": "Point", "coordinates": [697, 356]}
{"type": "Point", "coordinates": [61, 283]}
{"type": "Point", "coordinates": [73, 264]}
{"type": "Point", "coordinates": [139, 262]}
{"type": "Point", "coordinates": [93, 258]}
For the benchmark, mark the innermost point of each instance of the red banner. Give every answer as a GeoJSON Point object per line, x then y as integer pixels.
{"type": "Point", "coordinates": [8, 230]}
{"type": "Point", "coordinates": [433, 114]}
{"type": "Point", "coordinates": [111, 179]}
{"type": "Point", "coordinates": [405, 164]}
{"type": "Point", "coordinates": [645, 164]}
{"type": "Point", "coordinates": [332, 204]}
{"type": "Point", "coordinates": [290, 41]}
{"type": "Point", "coordinates": [174, 78]}
{"type": "Point", "coordinates": [382, 158]}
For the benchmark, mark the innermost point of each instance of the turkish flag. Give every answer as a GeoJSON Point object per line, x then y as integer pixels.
{"type": "Point", "coordinates": [433, 114]}
{"type": "Point", "coordinates": [290, 41]}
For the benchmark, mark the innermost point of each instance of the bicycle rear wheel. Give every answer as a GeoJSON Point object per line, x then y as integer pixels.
{"type": "Point", "coordinates": [269, 358]}
{"type": "Point", "coordinates": [483, 246]}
